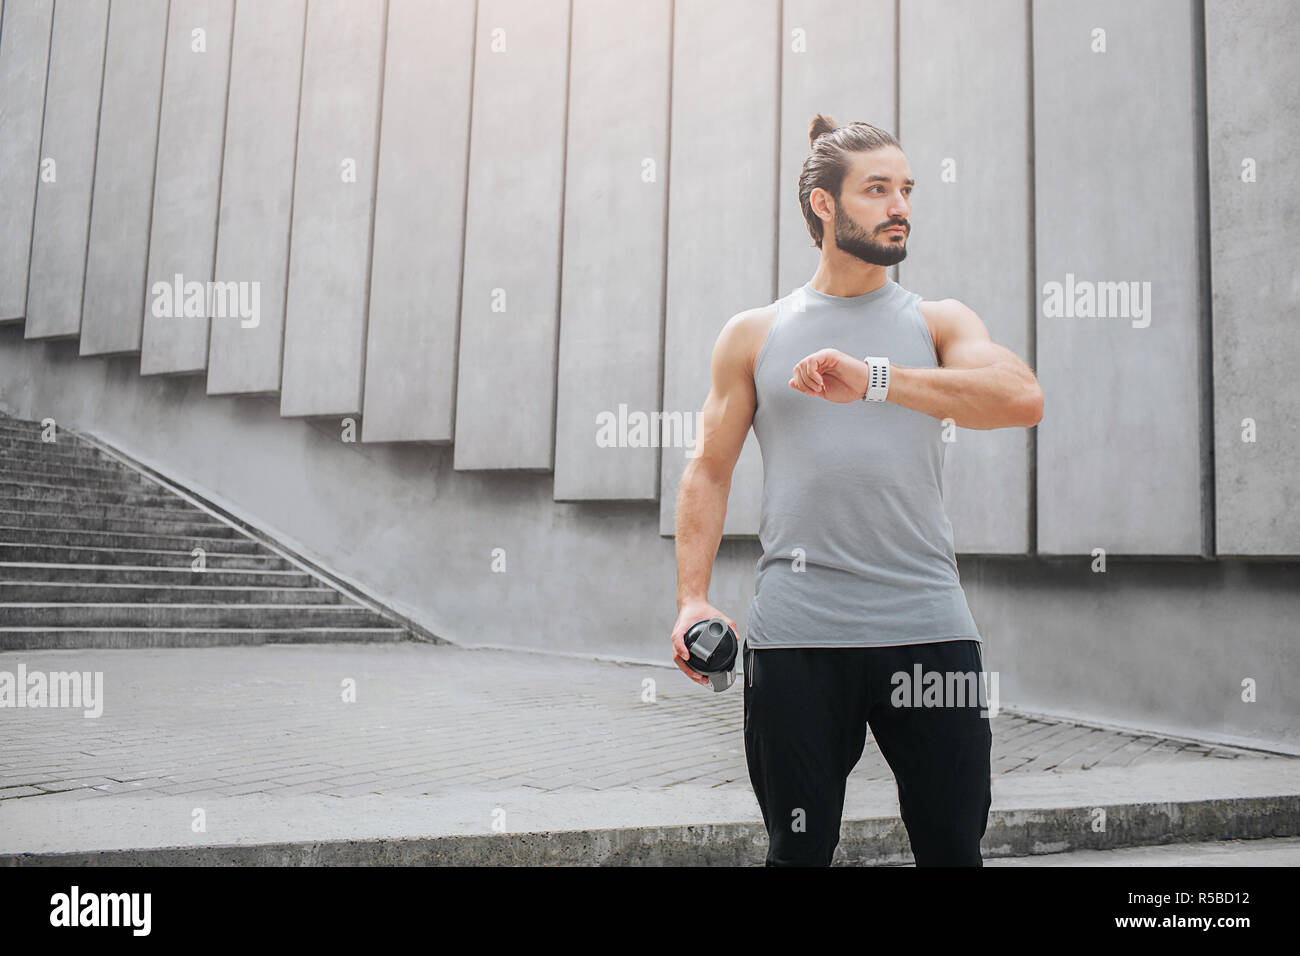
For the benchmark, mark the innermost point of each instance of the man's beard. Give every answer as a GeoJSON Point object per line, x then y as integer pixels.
{"type": "Point", "coordinates": [853, 239]}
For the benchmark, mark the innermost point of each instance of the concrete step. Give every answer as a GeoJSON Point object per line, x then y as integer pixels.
{"type": "Point", "coordinates": [62, 459]}
{"type": "Point", "coordinates": [63, 452]}
{"type": "Point", "coordinates": [34, 443]}
{"type": "Point", "coordinates": [23, 429]}
{"type": "Point", "coordinates": [155, 498]}
{"type": "Point", "coordinates": [86, 615]}
{"type": "Point", "coordinates": [198, 523]}
{"type": "Point", "coordinates": [97, 510]}
{"type": "Point", "coordinates": [119, 539]}
{"type": "Point", "coordinates": [96, 554]}
{"type": "Point", "coordinates": [11, 464]}
{"type": "Point", "coordinates": [39, 573]}
{"type": "Point", "coordinates": [27, 474]}
{"type": "Point", "coordinates": [19, 437]}
{"type": "Point", "coordinates": [60, 554]}
{"type": "Point", "coordinates": [69, 592]}
{"type": "Point", "coordinates": [25, 425]}
{"type": "Point", "coordinates": [55, 638]}
{"type": "Point", "coordinates": [13, 421]}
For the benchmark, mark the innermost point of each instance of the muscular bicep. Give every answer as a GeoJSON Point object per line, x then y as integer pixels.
{"type": "Point", "coordinates": [729, 407]}
{"type": "Point", "coordinates": [962, 341]}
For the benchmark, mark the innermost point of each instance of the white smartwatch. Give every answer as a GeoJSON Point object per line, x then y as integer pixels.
{"type": "Point", "coordinates": [878, 380]}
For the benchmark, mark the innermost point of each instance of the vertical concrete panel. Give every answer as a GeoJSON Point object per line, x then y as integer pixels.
{"type": "Point", "coordinates": [62, 220]}
{"type": "Point", "coordinates": [1118, 206]}
{"type": "Point", "coordinates": [837, 58]}
{"type": "Point", "coordinates": [244, 355]}
{"type": "Point", "coordinates": [505, 390]}
{"type": "Point", "coordinates": [616, 202]}
{"type": "Point", "coordinates": [334, 189]}
{"type": "Point", "coordinates": [187, 185]}
{"type": "Point", "coordinates": [24, 59]}
{"type": "Point", "coordinates": [722, 216]}
{"type": "Point", "coordinates": [964, 117]}
{"type": "Point", "coordinates": [1253, 102]}
{"type": "Point", "coordinates": [410, 387]}
{"type": "Point", "coordinates": [113, 310]}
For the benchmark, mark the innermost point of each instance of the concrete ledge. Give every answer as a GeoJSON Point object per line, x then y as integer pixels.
{"type": "Point", "coordinates": [882, 841]}
{"type": "Point", "coordinates": [1032, 814]}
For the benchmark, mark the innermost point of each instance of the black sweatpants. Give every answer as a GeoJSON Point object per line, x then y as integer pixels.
{"type": "Point", "coordinates": [806, 716]}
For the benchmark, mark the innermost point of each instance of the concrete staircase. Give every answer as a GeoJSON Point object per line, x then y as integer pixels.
{"type": "Point", "coordinates": [96, 554]}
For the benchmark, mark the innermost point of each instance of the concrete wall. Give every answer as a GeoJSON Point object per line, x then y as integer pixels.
{"type": "Point", "coordinates": [187, 184]}
{"type": "Point", "coordinates": [56, 280]}
{"type": "Point", "coordinates": [965, 126]}
{"type": "Point", "coordinates": [714, 115]}
{"type": "Point", "coordinates": [475, 226]}
{"type": "Point", "coordinates": [333, 208]}
{"type": "Point", "coordinates": [113, 306]}
{"type": "Point", "coordinates": [419, 213]}
{"type": "Point", "coordinates": [261, 138]}
{"type": "Point", "coordinates": [1118, 164]}
{"type": "Point", "coordinates": [509, 313]}
{"type": "Point", "coordinates": [24, 61]}
{"type": "Point", "coordinates": [611, 336]}
{"type": "Point", "coordinates": [1254, 182]}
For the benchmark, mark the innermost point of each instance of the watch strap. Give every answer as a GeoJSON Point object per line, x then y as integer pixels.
{"type": "Point", "coordinates": [877, 379]}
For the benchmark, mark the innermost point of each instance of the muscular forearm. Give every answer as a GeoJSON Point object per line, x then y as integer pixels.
{"type": "Point", "coordinates": [701, 510]}
{"type": "Point", "coordinates": [996, 396]}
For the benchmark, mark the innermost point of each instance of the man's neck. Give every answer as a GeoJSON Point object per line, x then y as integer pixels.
{"type": "Point", "coordinates": [850, 278]}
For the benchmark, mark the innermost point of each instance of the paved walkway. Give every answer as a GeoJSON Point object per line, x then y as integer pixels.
{"type": "Point", "coordinates": [233, 721]}
{"type": "Point", "coordinates": [1281, 852]}
{"type": "Point", "coordinates": [452, 739]}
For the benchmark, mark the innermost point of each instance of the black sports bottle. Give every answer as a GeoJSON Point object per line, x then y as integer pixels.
{"type": "Point", "coordinates": [713, 648]}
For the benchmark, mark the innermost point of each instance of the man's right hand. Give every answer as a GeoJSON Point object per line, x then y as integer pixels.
{"type": "Point", "coordinates": [688, 615]}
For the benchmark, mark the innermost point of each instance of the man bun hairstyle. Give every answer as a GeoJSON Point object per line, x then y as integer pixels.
{"type": "Point", "coordinates": [829, 161]}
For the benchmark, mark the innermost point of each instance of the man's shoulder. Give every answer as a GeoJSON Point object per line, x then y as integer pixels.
{"type": "Point", "coordinates": [943, 308]}
{"type": "Point", "coordinates": [756, 320]}
{"type": "Point", "coordinates": [941, 315]}
{"type": "Point", "coordinates": [747, 330]}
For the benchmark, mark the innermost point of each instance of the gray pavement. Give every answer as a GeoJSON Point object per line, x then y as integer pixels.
{"type": "Point", "coordinates": [263, 745]}
{"type": "Point", "coordinates": [1280, 852]}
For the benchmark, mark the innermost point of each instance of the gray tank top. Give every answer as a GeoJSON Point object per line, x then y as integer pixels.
{"type": "Point", "coordinates": [857, 547]}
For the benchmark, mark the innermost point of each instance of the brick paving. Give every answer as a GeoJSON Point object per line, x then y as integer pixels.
{"type": "Point", "coordinates": [430, 719]}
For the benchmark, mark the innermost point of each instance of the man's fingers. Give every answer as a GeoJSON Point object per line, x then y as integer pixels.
{"type": "Point", "coordinates": [814, 368]}
{"type": "Point", "coordinates": [681, 654]}
{"type": "Point", "coordinates": [690, 673]}
{"type": "Point", "coordinates": [808, 374]}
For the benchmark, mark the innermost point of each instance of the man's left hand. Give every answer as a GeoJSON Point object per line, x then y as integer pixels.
{"type": "Point", "coordinates": [833, 375]}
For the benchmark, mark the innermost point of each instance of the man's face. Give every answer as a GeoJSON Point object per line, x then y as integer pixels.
{"type": "Point", "coordinates": [872, 215]}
